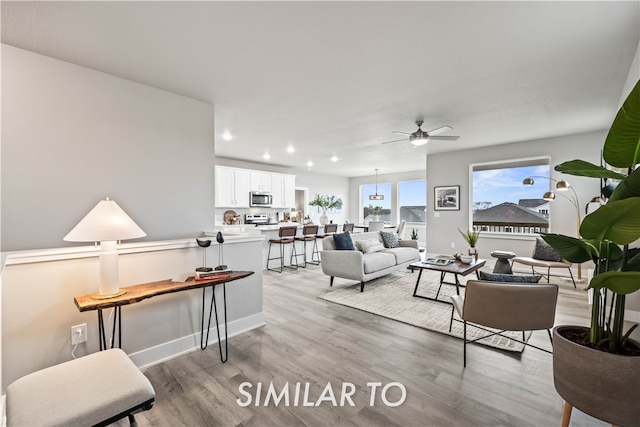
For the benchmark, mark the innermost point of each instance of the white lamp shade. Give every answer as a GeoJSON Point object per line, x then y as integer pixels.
{"type": "Point", "coordinates": [107, 221]}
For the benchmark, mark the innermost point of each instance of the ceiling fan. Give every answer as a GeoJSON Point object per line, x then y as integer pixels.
{"type": "Point", "coordinates": [421, 137]}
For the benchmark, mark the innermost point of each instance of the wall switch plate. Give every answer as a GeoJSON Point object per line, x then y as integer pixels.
{"type": "Point", "coordinates": [78, 337]}
{"type": "Point", "coordinates": [453, 245]}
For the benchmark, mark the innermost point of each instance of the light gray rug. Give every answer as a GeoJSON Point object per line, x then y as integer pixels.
{"type": "Point", "coordinates": [391, 296]}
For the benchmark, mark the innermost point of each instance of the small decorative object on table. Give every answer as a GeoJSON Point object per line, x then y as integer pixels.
{"type": "Point", "coordinates": [220, 240]}
{"type": "Point", "coordinates": [471, 237]}
{"type": "Point", "coordinates": [204, 244]}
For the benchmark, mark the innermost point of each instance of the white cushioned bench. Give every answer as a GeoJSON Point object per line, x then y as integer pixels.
{"type": "Point", "coordinates": [97, 389]}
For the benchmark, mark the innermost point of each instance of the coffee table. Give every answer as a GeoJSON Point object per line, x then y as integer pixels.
{"type": "Point", "coordinates": [456, 267]}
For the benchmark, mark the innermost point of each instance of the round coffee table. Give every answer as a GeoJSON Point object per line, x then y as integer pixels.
{"type": "Point", "coordinates": [502, 264]}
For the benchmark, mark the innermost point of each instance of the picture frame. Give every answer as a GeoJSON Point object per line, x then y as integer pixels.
{"type": "Point", "coordinates": [446, 198]}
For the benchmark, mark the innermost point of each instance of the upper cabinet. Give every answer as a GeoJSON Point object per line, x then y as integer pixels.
{"type": "Point", "coordinates": [283, 190]}
{"type": "Point", "coordinates": [232, 187]}
{"type": "Point", "coordinates": [261, 181]}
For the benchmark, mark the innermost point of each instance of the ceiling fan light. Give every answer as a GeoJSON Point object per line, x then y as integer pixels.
{"type": "Point", "coordinates": [419, 140]}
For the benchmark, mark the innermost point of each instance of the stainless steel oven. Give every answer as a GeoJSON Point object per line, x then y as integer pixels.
{"type": "Point", "coordinates": [261, 199]}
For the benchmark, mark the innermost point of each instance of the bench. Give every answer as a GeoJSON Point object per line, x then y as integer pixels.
{"type": "Point", "coordinates": [97, 389]}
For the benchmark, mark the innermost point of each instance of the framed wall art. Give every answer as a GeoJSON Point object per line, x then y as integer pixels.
{"type": "Point", "coordinates": [446, 198]}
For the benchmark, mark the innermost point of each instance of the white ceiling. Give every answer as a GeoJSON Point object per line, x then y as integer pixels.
{"type": "Point", "coordinates": [335, 78]}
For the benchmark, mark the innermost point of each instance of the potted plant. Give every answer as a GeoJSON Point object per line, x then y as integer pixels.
{"type": "Point", "coordinates": [375, 210]}
{"type": "Point", "coordinates": [414, 234]}
{"type": "Point", "coordinates": [596, 368]}
{"type": "Point", "coordinates": [325, 203]}
{"type": "Point", "coordinates": [471, 237]}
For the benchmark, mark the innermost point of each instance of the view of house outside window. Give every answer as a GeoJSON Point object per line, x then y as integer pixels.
{"type": "Point", "coordinates": [412, 201]}
{"type": "Point", "coordinates": [370, 189]}
{"type": "Point", "coordinates": [502, 204]}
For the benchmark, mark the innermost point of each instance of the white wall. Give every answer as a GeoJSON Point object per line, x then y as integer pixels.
{"type": "Point", "coordinates": [72, 136]}
{"type": "Point", "coordinates": [453, 169]}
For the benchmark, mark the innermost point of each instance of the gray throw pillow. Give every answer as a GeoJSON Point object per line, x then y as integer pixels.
{"type": "Point", "coordinates": [343, 241]}
{"type": "Point", "coordinates": [545, 252]}
{"type": "Point", "coordinates": [389, 239]}
{"type": "Point", "coordinates": [483, 275]}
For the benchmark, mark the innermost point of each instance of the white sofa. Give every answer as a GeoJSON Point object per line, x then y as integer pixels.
{"type": "Point", "coordinates": [356, 265]}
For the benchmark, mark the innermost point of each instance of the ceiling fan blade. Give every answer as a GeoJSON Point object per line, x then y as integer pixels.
{"type": "Point", "coordinates": [444, 138]}
{"type": "Point", "coordinates": [439, 130]}
{"type": "Point", "coordinates": [400, 133]}
{"type": "Point", "coordinates": [395, 140]}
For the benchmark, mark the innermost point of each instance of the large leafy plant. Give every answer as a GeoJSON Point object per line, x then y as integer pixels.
{"type": "Point", "coordinates": [605, 234]}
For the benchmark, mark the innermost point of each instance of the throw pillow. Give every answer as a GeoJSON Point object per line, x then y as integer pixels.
{"type": "Point", "coordinates": [369, 246]}
{"type": "Point", "coordinates": [545, 252]}
{"type": "Point", "coordinates": [483, 275]}
{"type": "Point", "coordinates": [343, 241]}
{"type": "Point", "coordinates": [390, 239]}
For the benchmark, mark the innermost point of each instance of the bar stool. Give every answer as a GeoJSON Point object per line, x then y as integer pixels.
{"type": "Point", "coordinates": [309, 235]}
{"type": "Point", "coordinates": [286, 236]}
{"type": "Point", "coordinates": [329, 229]}
{"type": "Point", "coordinates": [347, 227]}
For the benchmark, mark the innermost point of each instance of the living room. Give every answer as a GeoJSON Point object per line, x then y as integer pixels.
{"type": "Point", "coordinates": [73, 134]}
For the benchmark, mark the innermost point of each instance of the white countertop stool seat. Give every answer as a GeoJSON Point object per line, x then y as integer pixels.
{"type": "Point", "coordinates": [97, 389]}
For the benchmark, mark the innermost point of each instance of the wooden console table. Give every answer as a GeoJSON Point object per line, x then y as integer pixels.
{"type": "Point", "coordinates": [137, 293]}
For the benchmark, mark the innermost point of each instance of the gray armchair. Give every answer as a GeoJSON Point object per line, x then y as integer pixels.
{"type": "Point", "coordinates": [506, 307]}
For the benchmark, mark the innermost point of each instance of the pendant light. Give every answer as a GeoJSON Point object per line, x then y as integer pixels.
{"type": "Point", "coordinates": [376, 196]}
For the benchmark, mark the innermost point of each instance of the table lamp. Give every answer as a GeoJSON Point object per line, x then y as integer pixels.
{"type": "Point", "coordinates": [106, 223]}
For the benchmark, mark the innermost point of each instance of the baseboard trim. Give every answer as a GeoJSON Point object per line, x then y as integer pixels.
{"type": "Point", "coordinates": [169, 350]}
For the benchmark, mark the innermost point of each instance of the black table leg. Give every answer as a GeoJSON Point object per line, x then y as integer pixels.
{"type": "Point", "coordinates": [213, 307]}
{"type": "Point", "coordinates": [117, 322]}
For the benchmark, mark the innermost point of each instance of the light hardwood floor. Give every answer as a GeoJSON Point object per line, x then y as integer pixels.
{"type": "Point", "coordinates": [309, 340]}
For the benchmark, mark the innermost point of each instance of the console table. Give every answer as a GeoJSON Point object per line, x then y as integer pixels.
{"type": "Point", "coordinates": [137, 293]}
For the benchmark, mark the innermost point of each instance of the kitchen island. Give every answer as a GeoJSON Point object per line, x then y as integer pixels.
{"type": "Point", "coordinates": [269, 231]}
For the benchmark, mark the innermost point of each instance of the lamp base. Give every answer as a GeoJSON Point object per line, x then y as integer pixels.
{"type": "Point", "coordinates": [98, 295]}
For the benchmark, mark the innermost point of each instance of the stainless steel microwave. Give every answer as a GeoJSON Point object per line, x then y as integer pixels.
{"type": "Point", "coordinates": [260, 199]}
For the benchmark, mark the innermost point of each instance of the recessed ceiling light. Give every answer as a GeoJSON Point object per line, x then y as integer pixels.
{"type": "Point", "coordinates": [309, 163]}
{"type": "Point", "coordinates": [290, 149]}
{"type": "Point", "coordinates": [334, 159]}
{"type": "Point", "coordinates": [227, 136]}
{"type": "Point", "coordinates": [266, 156]}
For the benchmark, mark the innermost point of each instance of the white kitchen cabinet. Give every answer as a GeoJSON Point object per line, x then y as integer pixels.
{"type": "Point", "coordinates": [283, 190]}
{"type": "Point", "coordinates": [261, 181]}
{"type": "Point", "coordinates": [232, 187]}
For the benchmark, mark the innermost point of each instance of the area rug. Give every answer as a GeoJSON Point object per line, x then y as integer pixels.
{"type": "Point", "coordinates": [391, 296]}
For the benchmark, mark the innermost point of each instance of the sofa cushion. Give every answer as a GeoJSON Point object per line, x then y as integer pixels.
{"type": "Point", "coordinates": [404, 254]}
{"type": "Point", "coordinates": [483, 275]}
{"type": "Point", "coordinates": [545, 252]}
{"type": "Point", "coordinates": [378, 261]}
{"type": "Point", "coordinates": [389, 239]}
{"type": "Point", "coordinates": [369, 246]}
{"type": "Point", "coordinates": [343, 241]}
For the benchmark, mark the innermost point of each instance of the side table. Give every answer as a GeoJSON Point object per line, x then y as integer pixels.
{"type": "Point", "coordinates": [502, 264]}
{"type": "Point", "coordinates": [137, 293]}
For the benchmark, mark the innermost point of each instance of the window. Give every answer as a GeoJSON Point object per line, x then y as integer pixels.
{"type": "Point", "coordinates": [369, 189]}
{"type": "Point", "coordinates": [412, 201]}
{"type": "Point", "coordinates": [502, 203]}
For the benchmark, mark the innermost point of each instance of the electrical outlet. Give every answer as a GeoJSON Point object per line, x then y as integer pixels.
{"type": "Point", "coordinates": [78, 334]}
{"type": "Point", "coordinates": [453, 245]}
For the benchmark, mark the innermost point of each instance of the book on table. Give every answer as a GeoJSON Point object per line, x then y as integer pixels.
{"type": "Point", "coordinates": [438, 260]}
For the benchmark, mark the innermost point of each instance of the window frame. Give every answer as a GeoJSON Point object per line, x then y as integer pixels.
{"type": "Point", "coordinates": [512, 163]}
